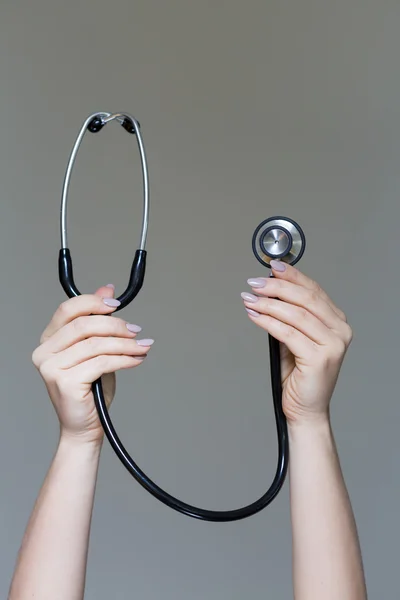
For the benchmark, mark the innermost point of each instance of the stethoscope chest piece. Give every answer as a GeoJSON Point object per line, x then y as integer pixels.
{"type": "Point", "coordinates": [278, 238]}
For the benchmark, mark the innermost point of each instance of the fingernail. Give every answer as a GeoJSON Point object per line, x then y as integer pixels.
{"type": "Point", "coordinates": [145, 342]}
{"type": "Point", "coordinates": [133, 328]}
{"type": "Point", "coordinates": [259, 282]}
{"type": "Point", "coordinates": [111, 285]}
{"type": "Point", "coordinates": [249, 297]}
{"type": "Point", "coordinates": [111, 302]}
{"type": "Point", "coordinates": [277, 265]}
{"type": "Point", "coordinates": [253, 313]}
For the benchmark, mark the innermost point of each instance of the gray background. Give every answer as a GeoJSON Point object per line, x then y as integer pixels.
{"type": "Point", "coordinates": [248, 109]}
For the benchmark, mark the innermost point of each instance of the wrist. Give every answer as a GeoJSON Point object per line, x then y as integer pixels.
{"type": "Point", "coordinates": [319, 425]}
{"type": "Point", "coordinates": [80, 443]}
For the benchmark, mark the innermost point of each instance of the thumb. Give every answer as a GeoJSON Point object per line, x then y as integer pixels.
{"type": "Point", "coordinates": [107, 291]}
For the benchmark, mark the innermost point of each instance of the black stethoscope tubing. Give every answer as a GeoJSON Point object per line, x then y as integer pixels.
{"type": "Point", "coordinates": [95, 123]}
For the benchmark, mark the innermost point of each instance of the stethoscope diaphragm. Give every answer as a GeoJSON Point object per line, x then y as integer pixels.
{"type": "Point", "coordinates": [278, 238]}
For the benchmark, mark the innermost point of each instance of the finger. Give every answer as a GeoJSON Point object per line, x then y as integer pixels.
{"type": "Point", "coordinates": [93, 369]}
{"type": "Point", "coordinates": [87, 304]}
{"type": "Point", "coordinates": [82, 328]}
{"type": "Point", "coordinates": [100, 346]}
{"type": "Point", "coordinates": [299, 318]}
{"type": "Point", "coordinates": [107, 291]}
{"type": "Point", "coordinates": [300, 296]}
{"type": "Point", "coordinates": [286, 272]}
{"type": "Point", "coordinates": [297, 343]}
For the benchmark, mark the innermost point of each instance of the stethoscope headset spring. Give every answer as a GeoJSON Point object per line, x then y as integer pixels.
{"type": "Point", "coordinates": [276, 238]}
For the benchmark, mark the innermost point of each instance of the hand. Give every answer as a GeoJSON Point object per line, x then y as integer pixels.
{"type": "Point", "coordinates": [79, 345]}
{"type": "Point", "coordinates": [314, 337]}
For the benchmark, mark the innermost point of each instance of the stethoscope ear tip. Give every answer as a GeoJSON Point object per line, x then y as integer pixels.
{"type": "Point", "coordinates": [129, 126]}
{"type": "Point", "coordinates": [96, 124]}
{"type": "Point", "coordinates": [278, 238]}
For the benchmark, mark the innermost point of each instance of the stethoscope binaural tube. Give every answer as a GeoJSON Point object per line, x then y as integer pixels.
{"type": "Point", "coordinates": [95, 123]}
{"type": "Point", "coordinates": [276, 238]}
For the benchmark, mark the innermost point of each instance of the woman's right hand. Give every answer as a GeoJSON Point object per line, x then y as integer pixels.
{"type": "Point", "coordinates": [81, 344]}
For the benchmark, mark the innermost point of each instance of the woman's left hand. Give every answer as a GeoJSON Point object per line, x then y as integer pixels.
{"type": "Point", "coordinates": [314, 337]}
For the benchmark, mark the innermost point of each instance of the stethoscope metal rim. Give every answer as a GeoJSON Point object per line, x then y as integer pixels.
{"type": "Point", "coordinates": [106, 117]}
{"type": "Point", "coordinates": [284, 223]}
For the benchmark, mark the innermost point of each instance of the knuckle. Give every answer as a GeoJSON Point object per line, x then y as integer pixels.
{"type": "Point", "coordinates": [63, 310]}
{"type": "Point", "coordinates": [336, 351]}
{"type": "Point", "coordinates": [340, 349]}
{"type": "Point", "coordinates": [91, 343]}
{"type": "Point", "coordinates": [116, 323]}
{"type": "Point", "coordinates": [288, 331]}
{"type": "Point", "coordinates": [303, 314]}
{"type": "Point", "coordinates": [47, 372]}
{"type": "Point", "coordinates": [331, 355]}
{"type": "Point", "coordinates": [100, 360]}
{"type": "Point", "coordinates": [119, 327]}
{"type": "Point", "coordinates": [35, 357]}
{"type": "Point", "coordinates": [263, 305]}
{"type": "Point", "coordinates": [318, 289]}
{"type": "Point", "coordinates": [313, 296]}
{"type": "Point", "coordinates": [79, 325]}
{"type": "Point", "coordinates": [348, 334]}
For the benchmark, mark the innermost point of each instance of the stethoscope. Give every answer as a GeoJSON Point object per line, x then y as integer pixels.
{"type": "Point", "coordinates": [276, 238]}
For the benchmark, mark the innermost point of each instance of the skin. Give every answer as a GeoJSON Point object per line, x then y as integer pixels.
{"type": "Point", "coordinates": [80, 344]}
{"type": "Point", "coordinates": [314, 336]}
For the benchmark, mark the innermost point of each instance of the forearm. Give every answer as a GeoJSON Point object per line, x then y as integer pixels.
{"type": "Point", "coordinates": [327, 562]}
{"type": "Point", "coordinates": [53, 555]}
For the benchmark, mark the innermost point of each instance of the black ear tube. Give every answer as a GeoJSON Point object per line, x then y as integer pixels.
{"type": "Point", "coordinates": [66, 273]}
{"type": "Point", "coordinates": [66, 276]}
{"type": "Point", "coordinates": [135, 280]}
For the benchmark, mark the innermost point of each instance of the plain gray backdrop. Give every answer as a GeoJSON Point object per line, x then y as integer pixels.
{"type": "Point", "coordinates": [248, 109]}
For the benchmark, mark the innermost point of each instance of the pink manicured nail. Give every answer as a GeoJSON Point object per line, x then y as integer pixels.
{"type": "Point", "coordinates": [133, 328]}
{"type": "Point", "coordinates": [259, 282]}
{"type": "Point", "coordinates": [277, 265]}
{"type": "Point", "coordinates": [253, 313]}
{"type": "Point", "coordinates": [145, 342]}
{"type": "Point", "coordinates": [111, 302]}
{"type": "Point", "coordinates": [249, 297]}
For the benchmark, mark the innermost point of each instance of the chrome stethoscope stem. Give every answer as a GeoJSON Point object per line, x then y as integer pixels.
{"type": "Point", "coordinates": [133, 126]}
